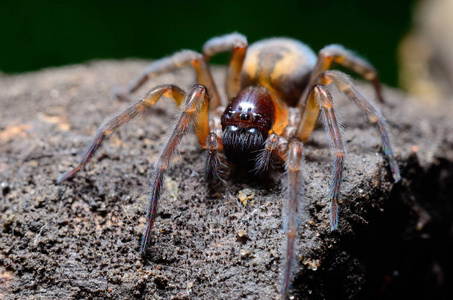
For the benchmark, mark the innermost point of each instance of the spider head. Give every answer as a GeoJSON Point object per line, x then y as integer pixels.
{"type": "Point", "coordinates": [246, 123]}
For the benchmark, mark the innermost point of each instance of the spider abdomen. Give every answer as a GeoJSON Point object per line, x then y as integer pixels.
{"type": "Point", "coordinates": [246, 122]}
{"type": "Point", "coordinates": [282, 65]}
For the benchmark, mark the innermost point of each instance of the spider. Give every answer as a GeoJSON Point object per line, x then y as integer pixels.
{"type": "Point", "coordinates": [276, 89]}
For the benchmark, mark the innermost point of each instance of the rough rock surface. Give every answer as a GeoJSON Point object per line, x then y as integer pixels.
{"type": "Point", "coordinates": [80, 239]}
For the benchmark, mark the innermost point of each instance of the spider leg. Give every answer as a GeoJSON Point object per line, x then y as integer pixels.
{"type": "Point", "coordinates": [294, 159]}
{"type": "Point", "coordinates": [191, 108]}
{"type": "Point", "coordinates": [346, 58]}
{"type": "Point", "coordinates": [176, 61]}
{"type": "Point", "coordinates": [373, 113]}
{"type": "Point", "coordinates": [237, 43]}
{"type": "Point", "coordinates": [137, 108]}
{"type": "Point", "coordinates": [321, 97]}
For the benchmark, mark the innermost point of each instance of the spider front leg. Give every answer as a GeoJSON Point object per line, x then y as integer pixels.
{"type": "Point", "coordinates": [122, 118]}
{"type": "Point", "coordinates": [346, 58]}
{"type": "Point", "coordinates": [294, 159]}
{"type": "Point", "coordinates": [372, 112]}
{"type": "Point", "coordinates": [320, 98]}
{"type": "Point", "coordinates": [237, 43]}
{"type": "Point", "coordinates": [176, 61]}
{"type": "Point", "coordinates": [195, 108]}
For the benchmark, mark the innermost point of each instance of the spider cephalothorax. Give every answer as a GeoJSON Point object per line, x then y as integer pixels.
{"type": "Point", "coordinates": [276, 90]}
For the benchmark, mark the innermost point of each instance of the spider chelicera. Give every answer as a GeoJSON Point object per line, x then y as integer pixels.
{"type": "Point", "coordinates": [276, 89]}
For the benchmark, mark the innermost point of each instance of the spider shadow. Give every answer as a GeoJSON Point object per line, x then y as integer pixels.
{"type": "Point", "coordinates": [240, 176]}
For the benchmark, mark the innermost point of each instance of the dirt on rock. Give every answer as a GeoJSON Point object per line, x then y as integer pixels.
{"type": "Point", "coordinates": [80, 239]}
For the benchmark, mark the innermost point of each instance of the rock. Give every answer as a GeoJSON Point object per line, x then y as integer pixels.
{"type": "Point", "coordinates": [66, 246]}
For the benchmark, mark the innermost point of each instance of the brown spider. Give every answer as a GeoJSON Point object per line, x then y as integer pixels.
{"type": "Point", "coordinates": [277, 88]}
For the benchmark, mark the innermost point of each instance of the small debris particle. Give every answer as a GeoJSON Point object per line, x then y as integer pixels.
{"type": "Point", "coordinates": [245, 195]}
{"type": "Point", "coordinates": [172, 188]}
{"type": "Point", "coordinates": [5, 188]}
{"type": "Point", "coordinates": [245, 253]}
{"type": "Point", "coordinates": [311, 222]}
{"type": "Point", "coordinates": [141, 133]}
{"type": "Point", "coordinates": [242, 233]}
{"type": "Point", "coordinates": [14, 131]}
{"type": "Point", "coordinates": [312, 264]}
{"type": "Point", "coordinates": [60, 121]}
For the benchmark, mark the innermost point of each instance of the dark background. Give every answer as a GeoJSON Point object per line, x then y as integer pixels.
{"type": "Point", "coordinates": [39, 34]}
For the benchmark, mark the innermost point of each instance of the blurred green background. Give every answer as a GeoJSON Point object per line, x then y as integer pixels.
{"type": "Point", "coordinates": [39, 34]}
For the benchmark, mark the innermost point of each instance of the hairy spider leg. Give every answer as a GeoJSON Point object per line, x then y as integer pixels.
{"type": "Point", "coordinates": [336, 143]}
{"type": "Point", "coordinates": [294, 159]}
{"type": "Point", "coordinates": [122, 118]}
{"type": "Point", "coordinates": [321, 97]}
{"type": "Point", "coordinates": [237, 43]}
{"type": "Point", "coordinates": [193, 105]}
{"type": "Point", "coordinates": [176, 61]}
{"type": "Point", "coordinates": [374, 115]}
{"type": "Point", "coordinates": [346, 58]}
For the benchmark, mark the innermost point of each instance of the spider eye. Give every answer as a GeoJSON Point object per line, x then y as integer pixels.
{"type": "Point", "coordinates": [245, 117]}
{"type": "Point", "coordinates": [256, 117]}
